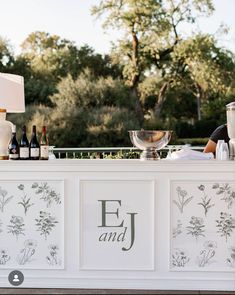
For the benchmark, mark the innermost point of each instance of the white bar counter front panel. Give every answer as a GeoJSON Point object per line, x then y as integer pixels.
{"type": "Point", "coordinates": [164, 225]}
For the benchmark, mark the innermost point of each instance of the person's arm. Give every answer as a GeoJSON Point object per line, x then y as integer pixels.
{"type": "Point", "coordinates": [210, 147]}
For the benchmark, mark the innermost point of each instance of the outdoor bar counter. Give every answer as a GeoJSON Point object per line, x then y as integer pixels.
{"type": "Point", "coordinates": [164, 225]}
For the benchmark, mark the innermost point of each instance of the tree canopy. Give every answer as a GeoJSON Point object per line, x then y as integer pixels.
{"type": "Point", "coordinates": [154, 77]}
{"type": "Point", "coordinates": [152, 44]}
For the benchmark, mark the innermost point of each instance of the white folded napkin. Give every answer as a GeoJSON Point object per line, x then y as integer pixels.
{"type": "Point", "coordinates": [187, 154]}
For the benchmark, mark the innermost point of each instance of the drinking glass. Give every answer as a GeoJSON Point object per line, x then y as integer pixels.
{"type": "Point", "coordinates": [224, 151]}
{"type": "Point", "coordinates": [51, 153]}
{"type": "Point", "coordinates": [217, 152]}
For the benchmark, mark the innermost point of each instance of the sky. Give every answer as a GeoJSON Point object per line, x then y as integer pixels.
{"type": "Point", "coordinates": [71, 19]}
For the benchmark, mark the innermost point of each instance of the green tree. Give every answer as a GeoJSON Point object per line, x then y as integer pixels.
{"type": "Point", "coordinates": [6, 55]}
{"type": "Point", "coordinates": [89, 91]}
{"type": "Point", "coordinates": [151, 35]}
{"type": "Point", "coordinates": [48, 54]}
{"type": "Point", "coordinates": [46, 59]}
{"type": "Point", "coordinates": [100, 65]}
{"type": "Point", "coordinates": [207, 70]}
{"type": "Point", "coordinates": [56, 57]}
{"type": "Point", "coordinates": [89, 111]}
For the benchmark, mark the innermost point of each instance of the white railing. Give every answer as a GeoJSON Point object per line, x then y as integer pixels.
{"type": "Point", "coordinates": [111, 152]}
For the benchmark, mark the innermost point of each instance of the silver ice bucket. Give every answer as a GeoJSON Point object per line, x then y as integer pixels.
{"type": "Point", "coordinates": [149, 141]}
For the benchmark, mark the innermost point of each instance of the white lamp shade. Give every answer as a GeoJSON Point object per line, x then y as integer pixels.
{"type": "Point", "coordinates": [12, 93]}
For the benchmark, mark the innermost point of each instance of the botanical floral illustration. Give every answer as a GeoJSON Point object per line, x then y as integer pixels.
{"type": "Point", "coordinates": [207, 253]}
{"type": "Point", "coordinates": [4, 257]}
{"type": "Point", "coordinates": [52, 258]}
{"type": "Point", "coordinates": [206, 201]}
{"type": "Point", "coordinates": [45, 223]}
{"type": "Point", "coordinates": [16, 226]}
{"type": "Point", "coordinates": [25, 202]}
{"type": "Point", "coordinates": [179, 258]}
{"type": "Point", "coordinates": [225, 190]}
{"type": "Point", "coordinates": [196, 227]}
{"type": "Point", "coordinates": [182, 199]}
{"type": "Point", "coordinates": [31, 213]}
{"type": "Point", "coordinates": [178, 229]}
{"type": "Point", "coordinates": [47, 194]}
{"type": "Point", "coordinates": [27, 252]}
{"type": "Point", "coordinates": [225, 225]}
{"type": "Point", "coordinates": [203, 224]}
{"type": "Point", "coordinates": [4, 200]}
{"type": "Point", "coordinates": [231, 259]}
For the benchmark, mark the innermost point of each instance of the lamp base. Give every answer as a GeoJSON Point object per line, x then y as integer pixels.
{"type": "Point", "coordinates": [5, 135]}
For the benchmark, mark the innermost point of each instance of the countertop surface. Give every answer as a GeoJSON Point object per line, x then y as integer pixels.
{"type": "Point", "coordinates": [124, 165]}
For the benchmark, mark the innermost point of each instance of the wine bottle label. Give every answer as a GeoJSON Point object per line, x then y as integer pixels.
{"type": "Point", "coordinates": [34, 152]}
{"type": "Point", "coordinates": [24, 152]}
{"type": "Point", "coordinates": [44, 151]}
{"type": "Point", "coordinates": [13, 156]}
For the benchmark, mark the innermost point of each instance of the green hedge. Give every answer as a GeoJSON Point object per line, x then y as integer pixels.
{"type": "Point", "coordinates": [200, 129]}
{"type": "Point", "coordinates": [191, 141]}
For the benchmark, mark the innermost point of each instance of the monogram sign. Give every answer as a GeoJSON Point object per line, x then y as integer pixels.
{"type": "Point", "coordinates": [112, 236]}
{"type": "Point", "coordinates": [117, 224]}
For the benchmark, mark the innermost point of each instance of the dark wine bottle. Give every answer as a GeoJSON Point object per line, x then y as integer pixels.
{"type": "Point", "coordinates": [13, 146]}
{"type": "Point", "coordinates": [44, 145]}
{"type": "Point", "coordinates": [24, 145]}
{"type": "Point", "coordinates": [34, 145]}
